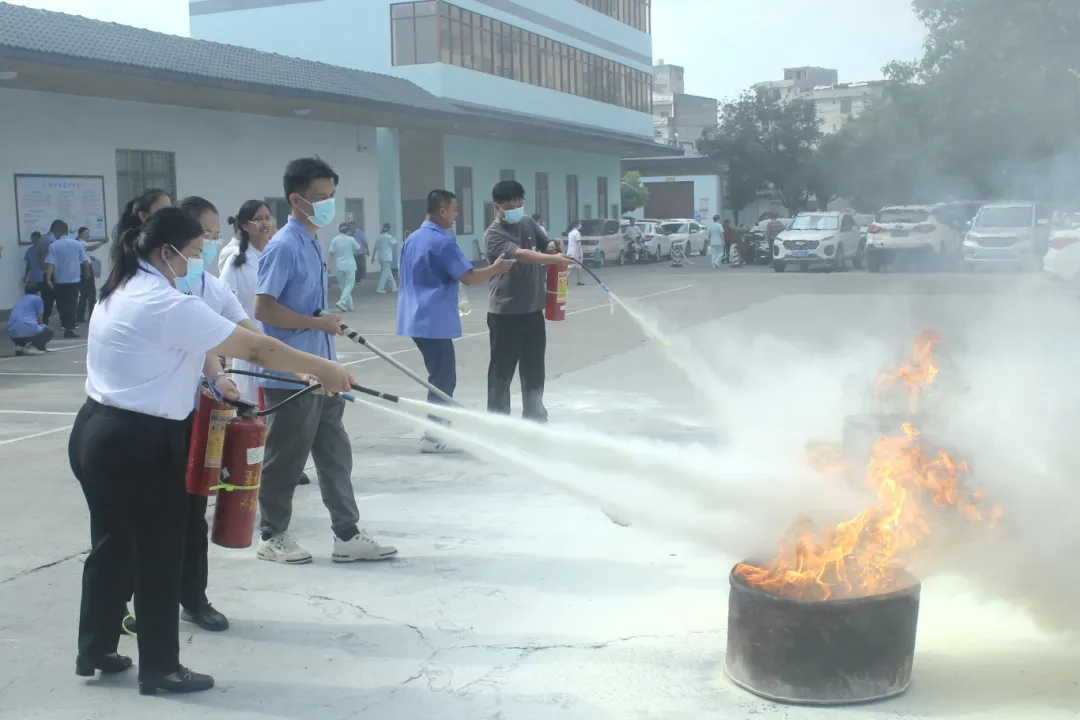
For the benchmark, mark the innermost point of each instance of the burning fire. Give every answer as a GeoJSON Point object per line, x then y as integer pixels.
{"type": "Point", "coordinates": [861, 556]}
{"type": "Point", "coordinates": [917, 374]}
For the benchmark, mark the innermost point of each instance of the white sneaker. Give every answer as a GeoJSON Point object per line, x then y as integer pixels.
{"type": "Point", "coordinates": [341, 307]}
{"type": "Point", "coordinates": [283, 549]}
{"type": "Point", "coordinates": [361, 547]}
{"type": "Point", "coordinates": [381, 292]}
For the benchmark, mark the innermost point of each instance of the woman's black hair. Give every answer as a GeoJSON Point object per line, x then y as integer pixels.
{"type": "Point", "coordinates": [197, 206]}
{"type": "Point", "coordinates": [168, 226]}
{"type": "Point", "coordinates": [247, 213]}
{"type": "Point", "coordinates": [141, 203]}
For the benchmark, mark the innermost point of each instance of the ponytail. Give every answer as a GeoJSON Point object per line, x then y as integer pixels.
{"type": "Point", "coordinates": [246, 214]}
{"type": "Point", "coordinates": [125, 261]}
{"type": "Point", "coordinates": [130, 218]}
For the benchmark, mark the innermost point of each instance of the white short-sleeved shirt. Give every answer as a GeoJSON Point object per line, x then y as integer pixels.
{"type": "Point", "coordinates": [219, 296]}
{"type": "Point", "coordinates": [147, 344]}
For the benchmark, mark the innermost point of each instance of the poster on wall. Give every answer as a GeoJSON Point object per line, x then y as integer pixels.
{"type": "Point", "coordinates": [78, 200]}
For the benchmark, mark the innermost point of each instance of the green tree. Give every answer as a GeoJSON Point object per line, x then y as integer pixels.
{"type": "Point", "coordinates": [766, 143]}
{"type": "Point", "coordinates": [634, 193]}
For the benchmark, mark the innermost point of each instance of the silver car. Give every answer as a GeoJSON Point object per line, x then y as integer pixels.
{"type": "Point", "coordinates": [1006, 233]}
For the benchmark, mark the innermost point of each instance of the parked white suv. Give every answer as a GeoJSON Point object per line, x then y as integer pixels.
{"type": "Point", "coordinates": [816, 238]}
{"type": "Point", "coordinates": [901, 230]}
{"type": "Point", "coordinates": [1007, 233]}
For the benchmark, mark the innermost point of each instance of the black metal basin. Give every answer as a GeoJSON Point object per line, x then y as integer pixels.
{"type": "Point", "coordinates": [833, 652]}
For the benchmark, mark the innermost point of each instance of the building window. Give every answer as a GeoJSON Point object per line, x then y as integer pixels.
{"type": "Point", "coordinates": [635, 13]}
{"type": "Point", "coordinates": [436, 31]}
{"type": "Point", "coordinates": [615, 210]}
{"type": "Point", "coordinates": [506, 175]}
{"type": "Point", "coordinates": [138, 170]}
{"type": "Point", "coordinates": [601, 193]}
{"type": "Point", "coordinates": [542, 201]}
{"type": "Point", "coordinates": [571, 199]}
{"type": "Point", "coordinates": [415, 33]}
{"type": "Point", "coordinates": [587, 212]}
{"type": "Point", "coordinates": [463, 188]}
{"type": "Point", "coordinates": [845, 106]}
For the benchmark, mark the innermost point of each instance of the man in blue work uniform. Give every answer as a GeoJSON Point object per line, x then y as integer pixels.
{"type": "Point", "coordinates": [65, 264]}
{"type": "Point", "coordinates": [292, 285]}
{"type": "Point", "coordinates": [432, 266]}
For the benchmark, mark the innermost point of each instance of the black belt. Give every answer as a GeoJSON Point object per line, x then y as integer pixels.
{"type": "Point", "coordinates": [110, 411]}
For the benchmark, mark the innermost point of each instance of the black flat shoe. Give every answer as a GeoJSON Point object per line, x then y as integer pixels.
{"type": "Point", "coordinates": [206, 617]}
{"type": "Point", "coordinates": [304, 479]}
{"type": "Point", "coordinates": [107, 664]}
{"type": "Point", "coordinates": [181, 681]}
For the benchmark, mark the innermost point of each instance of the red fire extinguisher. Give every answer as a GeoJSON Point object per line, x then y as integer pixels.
{"type": "Point", "coordinates": [207, 444]}
{"type": "Point", "coordinates": [557, 277]}
{"type": "Point", "coordinates": [241, 475]}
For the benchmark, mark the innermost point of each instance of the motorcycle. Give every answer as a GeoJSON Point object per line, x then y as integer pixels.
{"type": "Point", "coordinates": [633, 252]}
{"type": "Point", "coordinates": [759, 248]}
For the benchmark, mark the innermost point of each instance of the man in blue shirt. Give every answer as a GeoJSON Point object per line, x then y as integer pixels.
{"type": "Point", "coordinates": [292, 285]}
{"type": "Point", "coordinates": [35, 271]}
{"type": "Point", "coordinates": [25, 326]}
{"type": "Point", "coordinates": [361, 258]}
{"type": "Point", "coordinates": [47, 240]}
{"type": "Point", "coordinates": [431, 268]}
{"type": "Point", "coordinates": [65, 264]}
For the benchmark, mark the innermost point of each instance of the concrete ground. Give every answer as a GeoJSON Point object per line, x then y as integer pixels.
{"type": "Point", "coordinates": [509, 600]}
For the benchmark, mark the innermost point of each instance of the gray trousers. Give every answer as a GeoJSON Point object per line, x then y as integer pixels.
{"type": "Point", "coordinates": [308, 425]}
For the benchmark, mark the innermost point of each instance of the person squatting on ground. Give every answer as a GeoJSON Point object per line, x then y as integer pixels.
{"type": "Point", "coordinates": [517, 333]}
{"type": "Point", "coordinates": [292, 286]}
{"type": "Point", "coordinates": [65, 265]}
{"type": "Point", "coordinates": [26, 324]}
{"type": "Point", "coordinates": [238, 267]}
{"type": "Point", "coordinates": [343, 252]}
{"type": "Point", "coordinates": [384, 253]}
{"type": "Point", "coordinates": [147, 353]}
{"type": "Point", "coordinates": [432, 268]}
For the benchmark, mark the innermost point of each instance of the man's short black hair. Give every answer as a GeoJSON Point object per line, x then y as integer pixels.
{"type": "Point", "coordinates": [59, 228]}
{"type": "Point", "coordinates": [438, 199]}
{"type": "Point", "coordinates": [32, 288]}
{"type": "Point", "coordinates": [715, 218]}
{"type": "Point", "coordinates": [507, 190]}
{"type": "Point", "coordinates": [35, 234]}
{"type": "Point", "coordinates": [82, 230]}
{"type": "Point", "coordinates": [300, 173]}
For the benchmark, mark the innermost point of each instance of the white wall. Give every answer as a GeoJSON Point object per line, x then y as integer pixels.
{"type": "Point", "coordinates": [225, 157]}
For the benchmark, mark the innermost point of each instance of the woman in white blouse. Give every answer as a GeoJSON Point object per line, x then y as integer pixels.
{"type": "Point", "coordinates": [238, 266]}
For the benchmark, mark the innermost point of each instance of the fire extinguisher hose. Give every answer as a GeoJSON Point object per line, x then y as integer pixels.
{"type": "Point", "coordinates": [361, 340]}
{"type": "Point", "coordinates": [389, 397]}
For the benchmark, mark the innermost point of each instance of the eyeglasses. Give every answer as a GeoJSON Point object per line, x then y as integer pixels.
{"type": "Point", "coordinates": [212, 236]}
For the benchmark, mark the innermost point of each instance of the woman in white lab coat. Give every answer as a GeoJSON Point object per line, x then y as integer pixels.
{"type": "Point", "coordinates": [238, 264]}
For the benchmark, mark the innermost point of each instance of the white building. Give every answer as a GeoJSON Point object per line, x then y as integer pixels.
{"type": "Point", "coordinates": [94, 112]}
{"type": "Point", "coordinates": [561, 88]}
{"type": "Point", "coordinates": [679, 119]}
{"type": "Point", "coordinates": [837, 103]}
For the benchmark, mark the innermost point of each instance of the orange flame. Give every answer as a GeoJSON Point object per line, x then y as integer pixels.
{"type": "Point", "coordinates": [862, 556]}
{"type": "Point", "coordinates": [917, 374]}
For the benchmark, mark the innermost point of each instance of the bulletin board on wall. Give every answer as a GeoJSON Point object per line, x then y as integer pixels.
{"type": "Point", "coordinates": [78, 200]}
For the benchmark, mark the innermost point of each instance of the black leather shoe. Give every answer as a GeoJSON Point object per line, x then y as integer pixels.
{"type": "Point", "coordinates": [206, 617]}
{"type": "Point", "coordinates": [107, 664]}
{"type": "Point", "coordinates": [304, 479]}
{"type": "Point", "coordinates": [181, 681]}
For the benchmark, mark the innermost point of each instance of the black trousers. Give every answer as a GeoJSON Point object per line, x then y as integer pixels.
{"type": "Point", "coordinates": [87, 299]}
{"type": "Point", "coordinates": [195, 574]}
{"type": "Point", "coordinates": [441, 363]}
{"type": "Point", "coordinates": [131, 467]}
{"type": "Point", "coordinates": [49, 298]}
{"type": "Point", "coordinates": [39, 341]}
{"type": "Point", "coordinates": [518, 343]}
{"type": "Point", "coordinates": [67, 300]}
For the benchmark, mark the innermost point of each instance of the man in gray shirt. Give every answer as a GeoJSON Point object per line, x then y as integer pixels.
{"type": "Point", "coordinates": [515, 318]}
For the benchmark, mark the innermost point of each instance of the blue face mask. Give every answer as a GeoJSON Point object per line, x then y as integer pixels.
{"type": "Point", "coordinates": [322, 212]}
{"type": "Point", "coordinates": [514, 216]}
{"type": "Point", "coordinates": [209, 253]}
{"type": "Point", "coordinates": [192, 278]}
